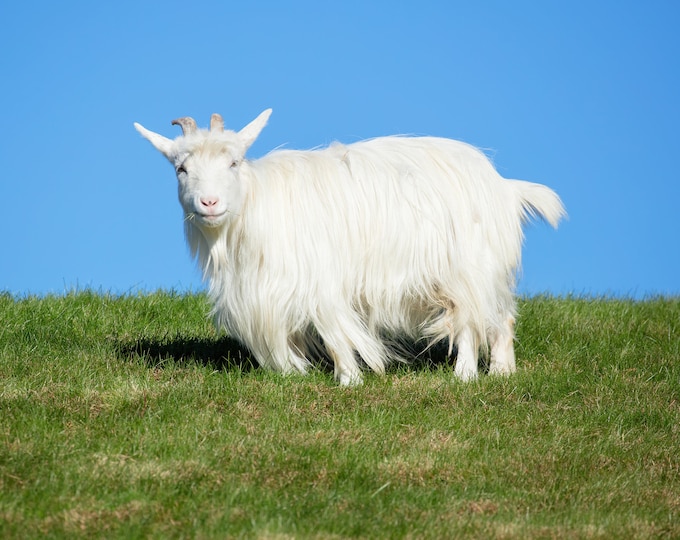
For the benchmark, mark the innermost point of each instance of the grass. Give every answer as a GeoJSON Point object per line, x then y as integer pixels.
{"type": "Point", "coordinates": [129, 417]}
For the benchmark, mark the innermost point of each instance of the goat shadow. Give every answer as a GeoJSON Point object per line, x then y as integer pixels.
{"type": "Point", "coordinates": [227, 354]}
{"type": "Point", "coordinates": [223, 353]}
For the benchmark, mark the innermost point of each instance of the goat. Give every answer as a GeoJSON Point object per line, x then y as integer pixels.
{"type": "Point", "coordinates": [353, 248]}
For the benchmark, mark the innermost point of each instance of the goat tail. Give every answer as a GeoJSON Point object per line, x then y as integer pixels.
{"type": "Point", "coordinates": [539, 201]}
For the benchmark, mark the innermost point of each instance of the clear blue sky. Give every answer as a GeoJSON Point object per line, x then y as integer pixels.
{"type": "Point", "coordinates": [583, 96]}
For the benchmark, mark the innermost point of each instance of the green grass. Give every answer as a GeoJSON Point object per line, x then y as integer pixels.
{"type": "Point", "coordinates": [128, 417]}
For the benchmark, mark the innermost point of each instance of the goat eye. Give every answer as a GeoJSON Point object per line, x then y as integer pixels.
{"type": "Point", "coordinates": [234, 164]}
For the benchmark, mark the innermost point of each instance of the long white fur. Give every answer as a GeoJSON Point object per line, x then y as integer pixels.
{"type": "Point", "coordinates": [353, 247]}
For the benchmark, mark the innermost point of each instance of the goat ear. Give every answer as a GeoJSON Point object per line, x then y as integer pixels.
{"type": "Point", "coordinates": [160, 143]}
{"type": "Point", "coordinates": [249, 133]}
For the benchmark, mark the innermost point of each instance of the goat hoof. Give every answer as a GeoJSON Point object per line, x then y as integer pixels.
{"type": "Point", "coordinates": [350, 379]}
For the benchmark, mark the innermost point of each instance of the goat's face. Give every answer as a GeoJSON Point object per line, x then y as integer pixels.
{"type": "Point", "coordinates": [207, 171]}
{"type": "Point", "coordinates": [207, 164]}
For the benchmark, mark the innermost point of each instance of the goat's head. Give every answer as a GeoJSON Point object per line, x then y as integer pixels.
{"type": "Point", "coordinates": [207, 164]}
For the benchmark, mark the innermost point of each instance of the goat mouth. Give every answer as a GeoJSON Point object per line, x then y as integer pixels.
{"type": "Point", "coordinates": [207, 220]}
{"type": "Point", "coordinates": [215, 219]}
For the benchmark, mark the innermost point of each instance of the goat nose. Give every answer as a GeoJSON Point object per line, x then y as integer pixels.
{"type": "Point", "coordinates": [209, 201]}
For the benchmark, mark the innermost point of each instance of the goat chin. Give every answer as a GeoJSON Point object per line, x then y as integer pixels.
{"type": "Point", "coordinates": [348, 250]}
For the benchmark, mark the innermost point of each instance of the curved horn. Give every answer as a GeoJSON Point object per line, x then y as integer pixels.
{"type": "Point", "coordinates": [187, 124]}
{"type": "Point", "coordinates": [216, 123]}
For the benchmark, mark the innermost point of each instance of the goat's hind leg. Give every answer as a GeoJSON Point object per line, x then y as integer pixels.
{"type": "Point", "coordinates": [464, 340]}
{"type": "Point", "coordinates": [502, 348]}
{"type": "Point", "coordinates": [466, 360]}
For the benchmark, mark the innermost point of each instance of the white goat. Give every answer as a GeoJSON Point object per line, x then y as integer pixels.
{"type": "Point", "coordinates": [354, 247]}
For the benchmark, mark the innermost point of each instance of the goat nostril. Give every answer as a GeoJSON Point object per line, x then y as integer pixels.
{"type": "Point", "coordinates": [208, 202]}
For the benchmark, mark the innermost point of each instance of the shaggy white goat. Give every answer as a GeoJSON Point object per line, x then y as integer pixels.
{"type": "Point", "coordinates": [354, 247]}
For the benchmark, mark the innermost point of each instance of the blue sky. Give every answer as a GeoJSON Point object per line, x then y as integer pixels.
{"type": "Point", "coordinates": [583, 96]}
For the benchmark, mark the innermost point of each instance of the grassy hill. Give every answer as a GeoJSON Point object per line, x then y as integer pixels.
{"type": "Point", "coordinates": [129, 417]}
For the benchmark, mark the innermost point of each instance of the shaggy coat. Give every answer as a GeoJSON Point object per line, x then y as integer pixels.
{"type": "Point", "coordinates": [352, 248]}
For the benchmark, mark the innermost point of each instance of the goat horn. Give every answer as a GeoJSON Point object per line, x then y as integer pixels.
{"type": "Point", "coordinates": [187, 124]}
{"type": "Point", "coordinates": [216, 123]}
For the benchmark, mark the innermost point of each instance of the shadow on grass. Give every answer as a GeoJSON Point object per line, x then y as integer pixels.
{"type": "Point", "coordinates": [228, 354]}
{"type": "Point", "coordinates": [420, 358]}
{"type": "Point", "coordinates": [221, 354]}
